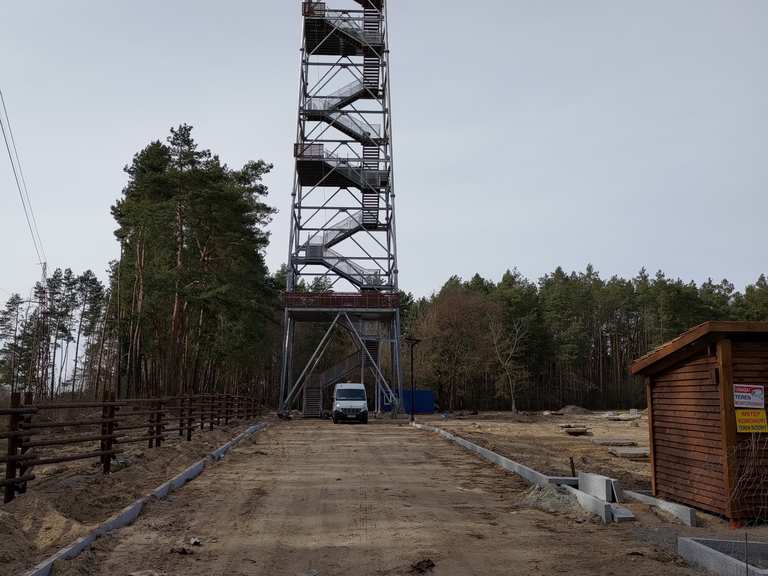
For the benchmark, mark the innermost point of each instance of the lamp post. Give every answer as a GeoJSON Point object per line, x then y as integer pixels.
{"type": "Point", "coordinates": [412, 343]}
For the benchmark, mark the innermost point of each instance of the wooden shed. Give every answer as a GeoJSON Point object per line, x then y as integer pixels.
{"type": "Point", "coordinates": [707, 420]}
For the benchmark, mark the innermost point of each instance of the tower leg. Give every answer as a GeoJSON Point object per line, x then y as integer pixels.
{"type": "Point", "coordinates": [285, 359]}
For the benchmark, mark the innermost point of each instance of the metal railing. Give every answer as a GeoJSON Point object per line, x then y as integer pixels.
{"type": "Point", "coordinates": [352, 24]}
{"type": "Point", "coordinates": [331, 101]}
{"type": "Point", "coordinates": [353, 169]}
{"type": "Point", "coordinates": [341, 300]}
{"type": "Point", "coordinates": [338, 371]}
{"type": "Point", "coordinates": [351, 269]}
{"type": "Point", "coordinates": [362, 129]}
{"type": "Point", "coordinates": [352, 222]}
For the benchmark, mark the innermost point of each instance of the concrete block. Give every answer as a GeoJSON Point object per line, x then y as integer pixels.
{"type": "Point", "coordinates": [219, 453]}
{"type": "Point", "coordinates": [613, 442]}
{"type": "Point", "coordinates": [621, 514]}
{"type": "Point", "coordinates": [592, 504]}
{"type": "Point", "coordinates": [564, 480]}
{"type": "Point", "coordinates": [123, 518]}
{"type": "Point", "coordinates": [724, 557]}
{"type": "Point", "coordinates": [630, 453]}
{"type": "Point", "coordinates": [179, 480]}
{"type": "Point", "coordinates": [597, 485]}
{"type": "Point", "coordinates": [685, 514]}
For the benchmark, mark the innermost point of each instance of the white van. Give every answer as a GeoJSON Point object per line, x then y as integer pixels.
{"type": "Point", "coordinates": [350, 403]}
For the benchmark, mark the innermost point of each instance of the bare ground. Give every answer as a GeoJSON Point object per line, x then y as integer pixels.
{"type": "Point", "coordinates": [539, 442]}
{"type": "Point", "coordinates": [69, 499]}
{"type": "Point", "coordinates": [311, 498]}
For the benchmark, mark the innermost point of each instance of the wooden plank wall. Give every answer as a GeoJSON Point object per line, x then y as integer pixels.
{"type": "Point", "coordinates": [750, 366]}
{"type": "Point", "coordinates": [687, 435]}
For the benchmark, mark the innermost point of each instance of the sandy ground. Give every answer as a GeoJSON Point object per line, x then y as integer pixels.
{"type": "Point", "coordinates": [539, 442]}
{"type": "Point", "coordinates": [67, 500]}
{"type": "Point", "coordinates": [310, 498]}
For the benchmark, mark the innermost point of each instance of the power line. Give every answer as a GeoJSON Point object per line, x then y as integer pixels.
{"type": "Point", "coordinates": [21, 185]}
{"type": "Point", "coordinates": [23, 178]}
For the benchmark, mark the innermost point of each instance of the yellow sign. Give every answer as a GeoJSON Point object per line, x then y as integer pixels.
{"type": "Point", "coordinates": [751, 421]}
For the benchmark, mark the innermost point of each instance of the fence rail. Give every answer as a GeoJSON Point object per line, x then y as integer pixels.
{"type": "Point", "coordinates": [102, 435]}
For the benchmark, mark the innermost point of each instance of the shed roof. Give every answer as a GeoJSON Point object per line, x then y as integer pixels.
{"type": "Point", "coordinates": [710, 330]}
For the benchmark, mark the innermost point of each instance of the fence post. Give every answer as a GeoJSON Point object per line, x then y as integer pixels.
{"type": "Point", "coordinates": [189, 418]}
{"type": "Point", "coordinates": [180, 408]}
{"type": "Point", "coordinates": [211, 400]}
{"type": "Point", "coordinates": [151, 429]}
{"type": "Point", "coordinates": [159, 423]}
{"type": "Point", "coordinates": [13, 442]}
{"type": "Point", "coordinates": [218, 409]}
{"type": "Point", "coordinates": [202, 413]}
{"type": "Point", "coordinates": [24, 423]}
{"type": "Point", "coordinates": [226, 409]}
{"type": "Point", "coordinates": [106, 460]}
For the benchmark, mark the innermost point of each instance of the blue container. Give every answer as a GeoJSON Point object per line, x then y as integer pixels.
{"type": "Point", "coordinates": [425, 401]}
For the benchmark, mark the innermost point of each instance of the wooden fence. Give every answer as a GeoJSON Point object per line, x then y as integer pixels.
{"type": "Point", "coordinates": [75, 429]}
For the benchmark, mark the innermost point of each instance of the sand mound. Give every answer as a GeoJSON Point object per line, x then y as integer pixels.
{"type": "Point", "coordinates": [549, 499]}
{"type": "Point", "coordinates": [12, 539]}
{"type": "Point", "coordinates": [572, 409]}
{"type": "Point", "coordinates": [30, 524]}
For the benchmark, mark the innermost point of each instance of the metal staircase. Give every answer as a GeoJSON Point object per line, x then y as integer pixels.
{"type": "Point", "coordinates": [316, 385]}
{"type": "Point", "coordinates": [330, 109]}
{"type": "Point", "coordinates": [313, 400]}
{"type": "Point", "coordinates": [344, 371]}
{"type": "Point", "coordinates": [344, 266]}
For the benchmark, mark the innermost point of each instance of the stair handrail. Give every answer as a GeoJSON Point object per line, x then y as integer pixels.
{"type": "Point", "coordinates": [365, 276]}
{"type": "Point", "coordinates": [352, 221]}
{"type": "Point", "coordinates": [313, 102]}
{"type": "Point", "coordinates": [347, 119]}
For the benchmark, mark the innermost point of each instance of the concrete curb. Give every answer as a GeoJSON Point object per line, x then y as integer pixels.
{"type": "Point", "coordinates": [607, 511]}
{"type": "Point", "coordinates": [685, 514]}
{"type": "Point", "coordinates": [529, 474]}
{"type": "Point", "coordinates": [592, 504]}
{"type": "Point", "coordinates": [700, 552]}
{"type": "Point", "coordinates": [129, 514]}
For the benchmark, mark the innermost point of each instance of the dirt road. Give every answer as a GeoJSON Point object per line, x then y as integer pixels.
{"type": "Point", "coordinates": [311, 498]}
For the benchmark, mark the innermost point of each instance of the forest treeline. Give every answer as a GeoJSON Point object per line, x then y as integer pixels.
{"type": "Point", "coordinates": [567, 339]}
{"type": "Point", "coordinates": [190, 307]}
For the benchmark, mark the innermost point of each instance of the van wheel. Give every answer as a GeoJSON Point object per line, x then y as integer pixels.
{"type": "Point", "coordinates": [335, 421]}
{"type": "Point", "coordinates": [365, 419]}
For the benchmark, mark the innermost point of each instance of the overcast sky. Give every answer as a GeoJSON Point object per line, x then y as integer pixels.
{"type": "Point", "coordinates": [527, 133]}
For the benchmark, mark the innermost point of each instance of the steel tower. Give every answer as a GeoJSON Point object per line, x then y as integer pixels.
{"type": "Point", "coordinates": [343, 207]}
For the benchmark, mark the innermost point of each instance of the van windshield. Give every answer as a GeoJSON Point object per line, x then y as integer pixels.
{"type": "Point", "coordinates": [350, 394]}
